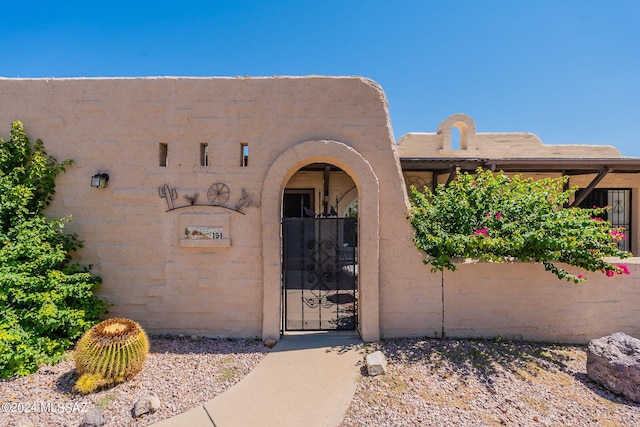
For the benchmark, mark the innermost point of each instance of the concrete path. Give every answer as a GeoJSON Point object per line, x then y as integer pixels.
{"type": "Point", "coordinates": [306, 380]}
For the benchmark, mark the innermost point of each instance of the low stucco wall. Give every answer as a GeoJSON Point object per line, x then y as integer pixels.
{"type": "Point", "coordinates": [522, 301]}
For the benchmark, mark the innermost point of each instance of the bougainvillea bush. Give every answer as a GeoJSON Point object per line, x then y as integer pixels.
{"type": "Point", "coordinates": [46, 301]}
{"type": "Point", "coordinates": [493, 217]}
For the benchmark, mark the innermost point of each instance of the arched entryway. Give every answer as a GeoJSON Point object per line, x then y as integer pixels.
{"type": "Point", "coordinates": [319, 251]}
{"type": "Point", "coordinates": [278, 176]}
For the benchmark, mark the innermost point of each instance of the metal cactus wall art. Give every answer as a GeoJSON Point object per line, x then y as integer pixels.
{"type": "Point", "coordinates": [218, 195]}
{"type": "Point", "coordinates": [168, 193]}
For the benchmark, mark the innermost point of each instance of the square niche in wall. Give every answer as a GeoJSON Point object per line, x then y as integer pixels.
{"type": "Point", "coordinates": [205, 230]}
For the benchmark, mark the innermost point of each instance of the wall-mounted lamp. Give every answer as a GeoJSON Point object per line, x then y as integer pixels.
{"type": "Point", "coordinates": [99, 180]}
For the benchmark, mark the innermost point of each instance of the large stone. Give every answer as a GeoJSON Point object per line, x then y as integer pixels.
{"type": "Point", "coordinates": [614, 362]}
{"type": "Point", "coordinates": [145, 405]}
{"type": "Point", "coordinates": [376, 363]}
{"type": "Point", "coordinates": [93, 418]}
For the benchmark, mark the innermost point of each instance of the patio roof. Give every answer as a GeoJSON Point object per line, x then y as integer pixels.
{"type": "Point", "coordinates": [566, 166]}
{"type": "Point", "coordinates": [575, 166]}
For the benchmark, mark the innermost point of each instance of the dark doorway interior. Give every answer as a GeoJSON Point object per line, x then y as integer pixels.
{"type": "Point", "coordinates": [298, 203]}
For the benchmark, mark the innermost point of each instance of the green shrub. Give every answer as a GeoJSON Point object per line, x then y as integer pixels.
{"type": "Point", "coordinates": [46, 302]}
{"type": "Point", "coordinates": [494, 217]}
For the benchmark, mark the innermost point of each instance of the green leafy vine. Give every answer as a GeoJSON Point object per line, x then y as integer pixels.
{"type": "Point", "coordinates": [46, 301]}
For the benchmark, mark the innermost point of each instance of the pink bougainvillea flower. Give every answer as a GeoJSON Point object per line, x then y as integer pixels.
{"type": "Point", "coordinates": [624, 269]}
{"type": "Point", "coordinates": [488, 214]}
{"type": "Point", "coordinates": [618, 235]}
{"type": "Point", "coordinates": [498, 216]}
{"type": "Point", "coordinates": [580, 276]}
{"type": "Point", "coordinates": [610, 273]}
{"type": "Point", "coordinates": [474, 183]}
{"type": "Point", "coordinates": [597, 219]}
{"type": "Point", "coordinates": [481, 232]}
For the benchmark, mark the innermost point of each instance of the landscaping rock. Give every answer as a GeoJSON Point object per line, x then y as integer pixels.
{"type": "Point", "coordinates": [376, 364]}
{"type": "Point", "coordinates": [270, 343]}
{"type": "Point", "coordinates": [146, 405]}
{"type": "Point", "coordinates": [614, 362]}
{"type": "Point", "coordinates": [93, 418]}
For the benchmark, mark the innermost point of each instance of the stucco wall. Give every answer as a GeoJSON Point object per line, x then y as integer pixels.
{"type": "Point", "coordinates": [522, 301]}
{"type": "Point", "coordinates": [149, 273]}
{"type": "Point", "coordinates": [232, 287]}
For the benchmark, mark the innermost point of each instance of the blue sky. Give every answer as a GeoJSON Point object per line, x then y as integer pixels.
{"type": "Point", "coordinates": [568, 71]}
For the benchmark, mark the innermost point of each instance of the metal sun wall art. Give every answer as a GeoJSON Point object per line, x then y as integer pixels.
{"type": "Point", "coordinates": [218, 195]}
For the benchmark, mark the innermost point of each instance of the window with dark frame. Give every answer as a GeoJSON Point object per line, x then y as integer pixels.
{"type": "Point", "coordinates": [298, 202]}
{"type": "Point", "coordinates": [620, 213]}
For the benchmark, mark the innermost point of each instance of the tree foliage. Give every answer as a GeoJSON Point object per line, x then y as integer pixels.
{"type": "Point", "coordinates": [46, 301]}
{"type": "Point", "coordinates": [494, 217]}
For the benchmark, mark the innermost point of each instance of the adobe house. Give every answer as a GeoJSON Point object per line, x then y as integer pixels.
{"type": "Point", "coordinates": [255, 206]}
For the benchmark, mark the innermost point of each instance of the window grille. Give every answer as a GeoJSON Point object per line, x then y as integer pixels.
{"type": "Point", "coordinates": [620, 213]}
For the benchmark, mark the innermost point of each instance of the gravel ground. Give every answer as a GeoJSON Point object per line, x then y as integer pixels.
{"type": "Point", "coordinates": [182, 372]}
{"type": "Point", "coordinates": [433, 382]}
{"type": "Point", "coordinates": [429, 383]}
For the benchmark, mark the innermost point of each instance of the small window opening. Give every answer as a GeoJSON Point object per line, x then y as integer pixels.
{"type": "Point", "coordinates": [204, 154]}
{"type": "Point", "coordinates": [163, 151]}
{"type": "Point", "coordinates": [455, 138]}
{"type": "Point", "coordinates": [244, 161]}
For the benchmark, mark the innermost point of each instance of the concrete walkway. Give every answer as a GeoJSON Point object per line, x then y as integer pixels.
{"type": "Point", "coordinates": [306, 380]}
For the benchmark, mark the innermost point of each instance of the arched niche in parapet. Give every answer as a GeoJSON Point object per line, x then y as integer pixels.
{"type": "Point", "coordinates": [467, 129]}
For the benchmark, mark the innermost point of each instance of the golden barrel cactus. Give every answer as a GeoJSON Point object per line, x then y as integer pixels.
{"type": "Point", "coordinates": [109, 353]}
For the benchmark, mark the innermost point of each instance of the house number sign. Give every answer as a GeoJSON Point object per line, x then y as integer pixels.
{"type": "Point", "coordinates": [204, 233]}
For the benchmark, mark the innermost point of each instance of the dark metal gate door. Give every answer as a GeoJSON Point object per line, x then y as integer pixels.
{"type": "Point", "coordinates": [320, 274]}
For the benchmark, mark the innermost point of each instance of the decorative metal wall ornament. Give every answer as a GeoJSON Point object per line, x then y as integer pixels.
{"type": "Point", "coordinates": [170, 194]}
{"type": "Point", "coordinates": [192, 199]}
{"type": "Point", "coordinates": [218, 195]}
{"type": "Point", "coordinates": [245, 201]}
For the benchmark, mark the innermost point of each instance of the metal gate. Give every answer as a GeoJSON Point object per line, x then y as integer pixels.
{"type": "Point", "coordinates": [320, 274]}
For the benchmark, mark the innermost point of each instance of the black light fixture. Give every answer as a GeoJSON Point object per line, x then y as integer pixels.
{"type": "Point", "coordinates": [99, 180]}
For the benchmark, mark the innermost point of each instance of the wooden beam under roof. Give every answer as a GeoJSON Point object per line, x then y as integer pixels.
{"type": "Point", "coordinates": [583, 195]}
